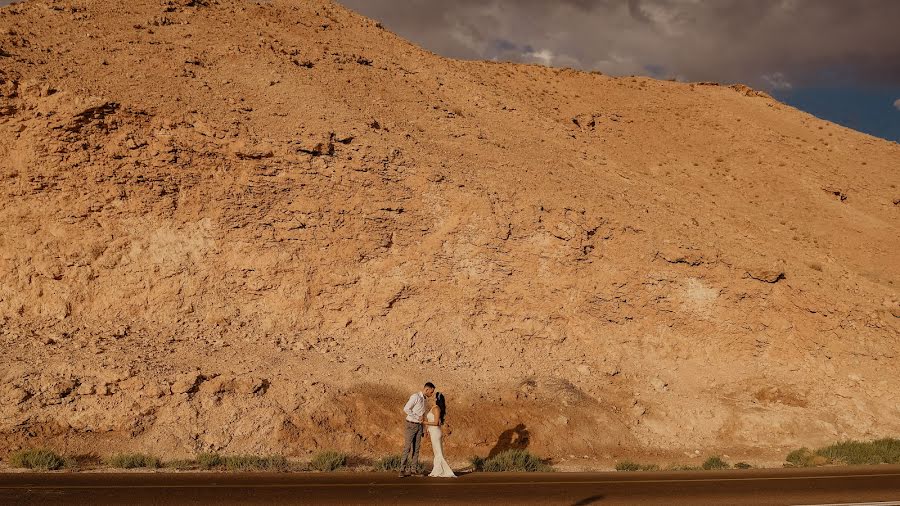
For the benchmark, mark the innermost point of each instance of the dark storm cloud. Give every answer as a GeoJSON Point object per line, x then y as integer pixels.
{"type": "Point", "coordinates": [778, 44]}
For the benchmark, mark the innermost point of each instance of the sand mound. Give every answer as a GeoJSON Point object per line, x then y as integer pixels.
{"type": "Point", "coordinates": [257, 226]}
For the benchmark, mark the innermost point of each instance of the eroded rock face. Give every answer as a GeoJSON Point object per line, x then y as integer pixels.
{"type": "Point", "coordinates": [264, 237]}
{"type": "Point", "coordinates": [766, 275]}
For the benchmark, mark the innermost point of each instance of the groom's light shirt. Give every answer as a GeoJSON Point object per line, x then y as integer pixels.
{"type": "Point", "coordinates": [415, 407]}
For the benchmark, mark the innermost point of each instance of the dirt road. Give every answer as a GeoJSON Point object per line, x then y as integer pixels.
{"type": "Point", "coordinates": [845, 485]}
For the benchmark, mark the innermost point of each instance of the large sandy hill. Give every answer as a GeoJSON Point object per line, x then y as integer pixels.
{"type": "Point", "coordinates": [257, 226]}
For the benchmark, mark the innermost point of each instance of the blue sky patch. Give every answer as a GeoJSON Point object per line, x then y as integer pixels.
{"type": "Point", "coordinates": [867, 109]}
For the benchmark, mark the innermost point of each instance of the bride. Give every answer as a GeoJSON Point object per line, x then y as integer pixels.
{"type": "Point", "coordinates": [434, 420]}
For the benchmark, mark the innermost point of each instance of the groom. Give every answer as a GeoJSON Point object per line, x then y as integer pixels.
{"type": "Point", "coordinates": [415, 410]}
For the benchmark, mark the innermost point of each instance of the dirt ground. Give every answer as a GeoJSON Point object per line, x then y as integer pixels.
{"type": "Point", "coordinates": [257, 227]}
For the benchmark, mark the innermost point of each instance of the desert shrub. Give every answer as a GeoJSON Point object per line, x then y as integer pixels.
{"type": "Point", "coordinates": [879, 451]}
{"type": "Point", "coordinates": [180, 464]}
{"type": "Point", "coordinates": [388, 463]}
{"type": "Point", "coordinates": [743, 465]}
{"type": "Point", "coordinates": [392, 463]}
{"type": "Point", "coordinates": [132, 461]}
{"type": "Point", "coordinates": [210, 461]}
{"type": "Point", "coordinates": [627, 465]}
{"type": "Point", "coordinates": [513, 461]}
{"type": "Point", "coordinates": [43, 459]}
{"type": "Point", "coordinates": [680, 467]}
{"type": "Point", "coordinates": [82, 461]}
{"type": "Point", "coordinates": [715, 462]}
{"type": "Point", "coordinates": [329, 461]}
{"type": "Point", "coordinates": [256, 463]}
{"type": "Point", "coordinates": [804, 457]}
{"type": "Point", "coordinates": [799, 457]}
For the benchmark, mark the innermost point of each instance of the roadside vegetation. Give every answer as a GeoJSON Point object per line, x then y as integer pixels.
{"type": "Point", "coordinates": [328, 461]}
{"type": "Point", "coordinates": [392, 463]}
{"type": "Point", "coordinates": [627, 465]}
{"type": "Point", "coordinates": [48, 460]}
{"type": "Point", "coordinates": [388, 463]}
{"type": "Point", "coordinates": [133, 461]}
{"type": "Point", "coordinates": [683, 467]}
{"type": "Point", "coordinates": [519, 461]}
{"type": "Point", "coordinates": [40, 459]}
{"type": "Point", "coordinates": [879, 451]}
{"type": "Point", "coordinates": [214, 461]}
{"type": "Point", "coordinates": [710, 464]}
{"type": "Point", "coordinates": [180, 464]}
{"type": "Point", "coordinates": [210, 461]}
{"type": "Point", "coordinates": [256, 463]}
{"type": "Point", "coordinates": [715, 463]}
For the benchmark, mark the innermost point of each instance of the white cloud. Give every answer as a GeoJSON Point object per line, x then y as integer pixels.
{"type": "Point", "coordinates": [777, 81]}
{"type": "Point", "coordinates": [544, 56]}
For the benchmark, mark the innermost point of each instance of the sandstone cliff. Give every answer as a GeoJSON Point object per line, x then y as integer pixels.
{"type": "Point", "coordinates": [257, 226]}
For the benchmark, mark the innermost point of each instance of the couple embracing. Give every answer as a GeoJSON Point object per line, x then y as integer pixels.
{"type": "Point", "coordinates": [422, 413]}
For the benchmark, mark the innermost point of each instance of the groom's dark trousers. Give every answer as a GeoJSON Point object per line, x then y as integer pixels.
{"type": "Point", "coordinates": [412, 439]}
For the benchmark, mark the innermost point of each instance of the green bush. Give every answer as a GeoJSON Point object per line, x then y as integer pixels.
{"type": "Point", "coordinates": [680, 467]}
{"type": "Point", "coordinates": [132, 461]}
{"type": "Point", "coordinates": [801, 457]}
{"type": "Point", "coordinates": [880, 451]}
{"type": "Point", "coordinates": [388, 463]}
{"type": "Point", "coordinates": [180, 464]}
{"type": "Point", "coordinates": [392, 463]}
{"type": "Point", "coordinates": [511, 461]}
{"type": "Point", "coordinates": [43, 459]}
{"type": "Point", "coordinates": [627, 465]}
{"type": "Point", "coordinates": [210, 461]}
{"type": "Point", "coordinates": [743, 465]}
{"type": "Point", "coordinates": [256, 463]}
{"type": "Point", "coordinates": [715, 462]}
{"type": "Point", "coordinates": [329, 461]}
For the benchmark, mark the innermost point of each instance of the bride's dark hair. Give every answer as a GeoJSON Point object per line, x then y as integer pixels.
{"type": "Point", "coordinates": [441, 404]}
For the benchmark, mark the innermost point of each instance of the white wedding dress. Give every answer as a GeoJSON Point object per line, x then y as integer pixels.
{"type": "Point", "coordinates": [441, 467]}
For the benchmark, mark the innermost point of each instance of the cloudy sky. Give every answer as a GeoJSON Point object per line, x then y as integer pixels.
{"type": "Point", "coordinates": [839, 59]}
